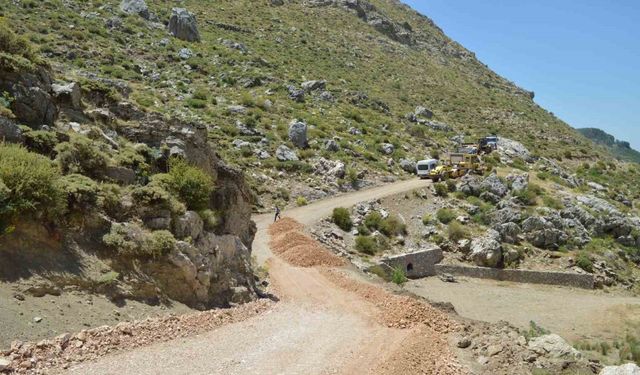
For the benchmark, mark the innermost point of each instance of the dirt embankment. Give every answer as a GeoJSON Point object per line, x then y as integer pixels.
{"type": "Point", "coordinates": [292, 245]}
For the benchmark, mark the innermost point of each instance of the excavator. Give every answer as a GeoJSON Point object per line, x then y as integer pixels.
{"type": "Point", "coordinates": [467, 159]}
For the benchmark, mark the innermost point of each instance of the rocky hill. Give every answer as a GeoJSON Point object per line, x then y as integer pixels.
{"type": "Point", "coordinates": [130, 128]}
{"type": "Point", "coordinates": [621, 149]}
{"type": "Point", "coordinates": [349, 90]}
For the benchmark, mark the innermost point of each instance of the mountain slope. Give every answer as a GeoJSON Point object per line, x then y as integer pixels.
{"type": "Point", "coordinates": [620, 149]}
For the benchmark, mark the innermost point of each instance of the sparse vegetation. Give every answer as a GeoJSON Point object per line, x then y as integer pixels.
{"type": "Point", "coordinates": [191, 184]}
{"type": "Point", "coordinates": [301, 201]}
{"type": "Point", "coordinates": [342, 218]}
{"type": "Point", "coordinates": [445, 215]}
{"type": "Point", "coordinates": [366, 244]}
{"type": "Point", "coordinates": [399, 276]}
{"type": "Point", "coordinates": [441, 189]}
{"type": "Point", "coordinates": [456, 231]}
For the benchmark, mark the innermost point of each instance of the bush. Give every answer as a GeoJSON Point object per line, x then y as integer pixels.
{"type": "Point", "coordinates": [342, 218]}
{"type": "Point", "coordinates": [40, 141]}
{"type": "Point", "coordinates": [29, 185]}
{"type": "Point", "coordinates": [132, 240]}
{"type": "Point", "coordinates": [156, 194]}
{"type": "Point", "coordinates": [366, 244]}
{"type": "Point", "coordinates": [583, 261]}
{"type": "Point", "coordinates": [398, 276]}
{"type": "Point", "coordinates": [392, 226]}
{"type": "Point", "coordinates": [445, 215]}
{"type": "Point", "coordinates": [82, 192]}
{"type": "Point", "coordinates": [529, 196]}
{"type": "Point", "coordinates": [81, 155]}
{"type": "Point", "coordinates": [109, 199]}
{"type": "Point", "coordinates": [456, 231]}
{"type": "Point", "coordinates": [159, 243]}
{"type": "Point", "coordinates": [427, 219]}
{"type": "Point", "coordinates": [210, 219]}
{"type": "Point", "coordinates": [373, 220]}
{"type": "Point", "coordinates": [552, 202]}
{"type": "Point", "coordinates": [441, 189]}
{"type": "Point", "coordinates": [191, 184]}
{"type": "Point", "coordinates": [301, 201]}
{"type": "Point", "coordinates": [451, 185]}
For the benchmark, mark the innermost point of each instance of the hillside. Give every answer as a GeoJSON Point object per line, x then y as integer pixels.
{"type": "Point", "coordinates": [620, 149]}
{"type": "Point", "coordinates": [387, 75]}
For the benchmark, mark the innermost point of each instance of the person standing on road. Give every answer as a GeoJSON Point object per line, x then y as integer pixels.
{"type": "Point", "coordinates": [277, 217]}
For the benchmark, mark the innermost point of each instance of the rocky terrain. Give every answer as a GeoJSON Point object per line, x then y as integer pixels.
{"type": "Point", "coordinates": [138, 138]}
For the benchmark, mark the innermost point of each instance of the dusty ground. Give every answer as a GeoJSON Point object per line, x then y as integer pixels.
{"type": "Point", "coordinates": [70, 312]}
{"type": "Point", "coordinates": [572, 313]}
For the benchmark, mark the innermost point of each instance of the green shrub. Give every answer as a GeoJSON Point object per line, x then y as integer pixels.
{"type": "Point", "coordinates": [156, 194]}
{"type": "Point", "coordinates": [398, 276]}
{"type": "Point", "coordinates": [352, 176]}
{"type": "Point", "coordinates": [451, 185]}
{"type": "Point", "coordinates": [427, 219]}
{"type": "Point", "coordinates": [301, 201]}
{"type": "Point", "coordinates": [342, 218]}
{"type": "Point", "coordinates": [366, 244]}
{"type": "Point", "coordinates": [534, 331]}
{"type": "Point", "coordinates": [132, 240]}
{"type": "Point", "coordinates": [373, 220]}
{"type": "Point", "coordinates": [552, 202]}
{"type": "Point", "coordinates": [529, 195]}
{"type": "Point", "coordinates": [583, 261]}
{"type": "Point", "coordinates": [441, 189]}
{"type": "Point", "coordinates": [82, 192]}
{"type": "Point", "coordinates": [210, 219]}
{"type": "Point", "coordinates": [159, 243]}
{"type": "Point", "coordinates": [363, 230]}
{"type": "Point", "coordinates": [191, 184]}
{"type": "Point", "coordinates": [81, 155]}
{"type": "Point", "coordinates": [445, 215]}
{"type": "Point", "coordinates": [30, 186]}
{"type": "Point", "coordinates": [40, 141]}
{"type": "Point", "coordinates": [392, 226]}
{"type": "Point", "coordinates": [110, 198]}
{"type": "Point", "coordinates": [456, 231]}
{"type": "Point", "coordinates": [196, 103]}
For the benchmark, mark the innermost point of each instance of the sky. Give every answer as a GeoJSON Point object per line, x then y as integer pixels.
{"type": "Point", "coordinates": [580, 57]}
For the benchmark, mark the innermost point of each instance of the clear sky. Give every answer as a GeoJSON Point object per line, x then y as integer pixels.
{"type": "Point", "coordinates": [581, 57]}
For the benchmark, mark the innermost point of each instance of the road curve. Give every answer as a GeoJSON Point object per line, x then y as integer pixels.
{"type": "Point", "coordinates": [317, 328]}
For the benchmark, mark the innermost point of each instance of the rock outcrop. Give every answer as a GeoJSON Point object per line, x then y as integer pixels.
{"type": "Point", "coordinates": [33, 103]}
{"type": "Point", "coordinates": [183, 25]}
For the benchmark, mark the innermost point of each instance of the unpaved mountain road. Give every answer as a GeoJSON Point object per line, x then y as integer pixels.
{"type": "Point", "coordinates": [317, 328]}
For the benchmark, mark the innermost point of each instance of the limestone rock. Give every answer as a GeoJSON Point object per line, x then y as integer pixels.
{"type": "Point", "coordinates": [298, 133]}
{"type": "Point", "coordinates": [553, 346]}
{"type": "Point", "coordinates": [284, 153]}
{"type": "Point", "coordinates": [138, 7]}
{"type": "Point", "coordinates": [486, 251]}
{"type": "Point", "coordinates": [183, 25]}
{"type": "Point", "coordinates": [68, 94]}
{"type": "Point", "coordinates": [626, 369]}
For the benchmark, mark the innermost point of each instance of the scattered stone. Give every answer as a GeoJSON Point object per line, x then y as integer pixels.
{"type": "Point", "coordinates": [138, 7]}
{"type": "Point", "coordinates": [387, 148]}
{"type": "Point", "coordinates": [4, 364]}
{"type": "Point", "coordinates": [626, 369]}
{"type": "Point", "coordinates": [235, 45]}
{"type": "Point", "coordinates": [298, 133]}
{"type": "Point", "coordinates": [332, 146]}
{"type": "Point", "coordinates": [183, 25]}
{"type": "Point", "coordinates": [447, 278]}
{"type": "Point", "coordinates": [37, 319]}
{"type": "Point", "coordinates": [314, 85]}
{"type": "Point", "coordinates": [284, 153]}
{"type": "Point", "coordinates": [464, 342]}
{"type": "Point", "coordinates": [185, 53]}
{"type": "Point", "coordinates": [494, 349]}
{"type": "Point", "coordinates": [554, 346]}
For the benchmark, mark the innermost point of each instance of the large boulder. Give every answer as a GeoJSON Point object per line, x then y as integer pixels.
{"type": "Point", "coordinates": [408, 165]}
{"type": "Point", "coordinates": [509, 232]}
{"type": "Point", "coordinates": [511, 149]}
{"type": "Point", "coordinates": [542, 233]}
{"type": "Point", "coordinates": [284, 153]}
{"type": "Point", "coordinates": [32, 103]}
{"type": "Point", "coordinates": [68, 94]}
{"type": "Point", "coordinates": [469, 185]}
{"type": "Point", "coordinates": [506, 215]}
{"type": "Point", "coordinates": [494, 185]}
{"type": "Point", "coordinates": [10, 131]}
{"type": "Point", "coordinates": [626, 369]}
{"type": "Point", "coordinates": [553, 346]}
{"type": "Point", "coordinates": [188, 225]}
{"type": "Point", "coordinates": [138, 7]}
{"type": "Point", "coordinates": [518, 182]}
{"type": "Point", "coordinates": [183, 25]}
{"type": "Point", "coordinates": [298, 133]}
{"type": "Point", "coordinates": [486, 251]}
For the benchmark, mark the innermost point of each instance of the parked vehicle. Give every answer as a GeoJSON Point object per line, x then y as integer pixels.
{"type": "Point", "coordinates": [424, 167]}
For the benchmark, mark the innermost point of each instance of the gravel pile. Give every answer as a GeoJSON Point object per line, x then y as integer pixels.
{"type": "Point", "coordinates": [291, 244]}
{"type": "Point", "coordinates": [427, 350]}
{"type": "Point", "coordinates": [67, 349]}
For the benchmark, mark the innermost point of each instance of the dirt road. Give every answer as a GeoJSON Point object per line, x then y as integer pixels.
{"type": "Point", "coordinates": [317, 328]}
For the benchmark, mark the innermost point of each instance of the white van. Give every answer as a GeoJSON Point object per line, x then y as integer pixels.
{"type": "Point", "coordinates": [423, 167]}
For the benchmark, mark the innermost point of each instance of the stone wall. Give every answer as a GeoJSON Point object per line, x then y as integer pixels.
{"type": "Point", "coordinates": [418, 264]}
{"type": "Point", "coordinates": [585, 281]}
